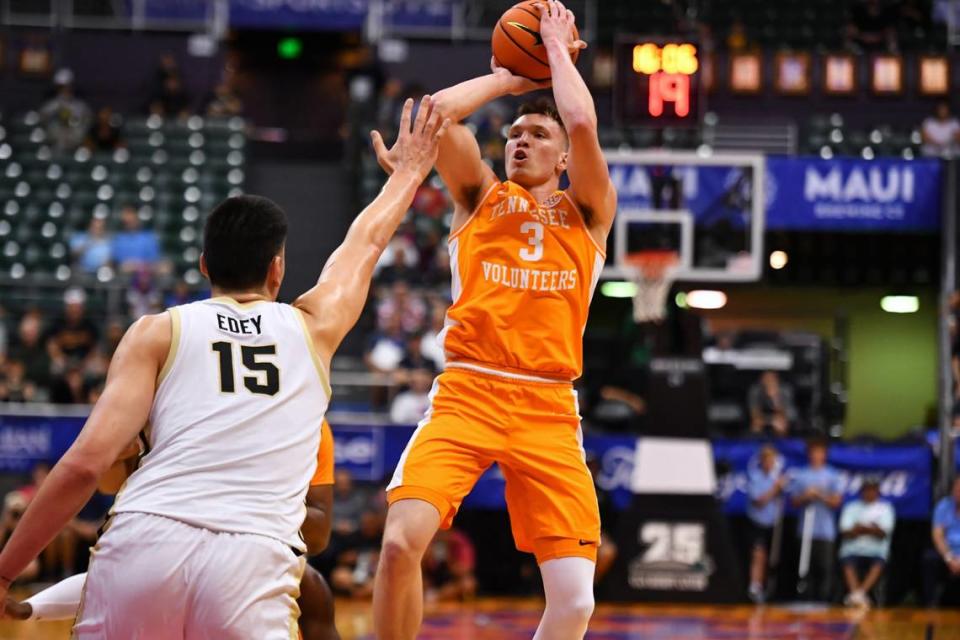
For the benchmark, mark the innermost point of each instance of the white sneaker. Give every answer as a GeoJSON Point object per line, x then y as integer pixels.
{"type": "Point", "coordinates": [756, 593]}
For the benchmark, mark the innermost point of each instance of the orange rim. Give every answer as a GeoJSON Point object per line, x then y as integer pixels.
{"type": "Point", "coordinates": [653, 262]}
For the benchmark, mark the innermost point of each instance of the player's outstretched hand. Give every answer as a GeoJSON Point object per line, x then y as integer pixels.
{"type": "Point", "coordinates": [15, 610]}
{"type": "Point", "coordinates": [557, 23]}
{"type": "Point", "coordinates": [417, 144]}
{"type": "Point", "coordinates": [516, 85]}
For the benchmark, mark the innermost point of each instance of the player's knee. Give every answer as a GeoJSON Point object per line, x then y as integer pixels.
{"type": "Point", "coordinates": [578, 610]}
{"type": "Point", "coordinates": [400, 551]}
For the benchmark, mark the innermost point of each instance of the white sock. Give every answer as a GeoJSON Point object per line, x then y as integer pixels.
{"type": "Point", "coordinates": [59, 602]}
{"type": "Point", "coordinates": [568, 585]}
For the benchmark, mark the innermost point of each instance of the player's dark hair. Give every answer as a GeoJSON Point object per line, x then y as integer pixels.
{"type": "Point", "coordinates": [242, 235]}
{"type": "Point", "coordinates": [543, 106]}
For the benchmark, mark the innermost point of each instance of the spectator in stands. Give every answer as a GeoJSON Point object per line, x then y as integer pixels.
{"type": "Point", "coordinates": [65, 117]}
{"type": "Point", "coordinates": [386, 348]}
{"type": "Point", "coordinates": [16, 387]}
{"type": "Point", "coordinates": [142, 296]}
{"type": "Point", "coordinates": [38, 474]}
{"type": "Point", "coordinates": [772, 409]}
{"type": "Point", "coordinates": [14, 504]}
{"type": "Point", "coordinates": [30, 350]}
{"type": "Point", "coordinates": [92, 249]}
{"type": "Point", "coordinates": [866, 528]}
{"type": "Point", "coordinates": [82, 532]}
{"type": "Point", "coordinates": [941, 567]}
{"type": "Point", "coordinates": [135, 248]}
{"type": "Point", "coordinates": [415, 358]}
{"type": "Point", "coordinates": [407, 306]}
{"type": "Point", "coordinates": [167, 68]}
{"type": "Point", "coordinates": [74, 336]}
{"type": "Point", "coordinates": [105, 133]}
{"type": "Point", "coordinates": [224, 103]}
{"type": "Point", "coordinates": [765, 485]}
{"type": "Point", "coordinates": [816, 491]}
{"type": "Point", "coordinates": [356, 563]}
{"type": "Point", "coordinates": [448, 567]}
{"type": "Point", "coordinates": [181, 294]}
{"type": "Point", "coordinates": [171, 100]}
{"type": "Point", "coordinates": [400, 259]}
{"type": "Point", "coordinates": [351, 501]}
{"type": "Point", "coordinates": [872, 27]}
{"type": "Point", "coordinates": [71, 387]}
{"type": "Point", "coordinates": [409, 406]}
{"type": "Point", "coordinates": [941, 133]}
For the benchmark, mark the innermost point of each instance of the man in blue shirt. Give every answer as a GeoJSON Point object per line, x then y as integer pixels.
{"type": "Point", "coordinates": [942, 563]}
{"type": "Point", "coordinates": [816, 491]}
{"type": "Point", "coordinates": [765, 482]}
{"type": "Point", "coordinates": [866, 528]}
{"type": "Point", "coordinates": [134, 248]}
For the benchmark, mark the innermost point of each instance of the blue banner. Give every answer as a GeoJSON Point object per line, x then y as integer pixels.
{"type": "Point", "coordinates": [298, 14]}
{"type": "Point", "coordinates": [851, 194]}
{"type": "Point", "coordinates": [27, 440]}
{"type": "Point", "coordinates": [802, 194]}
{"type": "Point", "coordinates": [904, 470]}
{"type": "Point", "coordinates": [372, 452]}
{"type": "Point", "coordinates": [420, 13]}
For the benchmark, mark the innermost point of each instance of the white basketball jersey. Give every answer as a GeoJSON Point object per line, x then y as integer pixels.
{"type": "Point", "coordinates": [235, 423]}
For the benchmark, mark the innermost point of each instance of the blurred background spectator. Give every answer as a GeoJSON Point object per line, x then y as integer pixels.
{"type": "Point", "coordinates": [866, 529]}
{"type": "Point", "coordinates": [448, 567]}
{"type": "Point", "coordinates": [766, 482]}
{"type": "Point", "coordinates": [772, 409]}
{"type": "Point", "coordinates": [817, 490]}
{"type": "Point", "coordinates": [65, 116]}
{"type": "Point", "coordinates": [941, 566]}
{"type": "Point", "coordinates": [92, 249]}
{"type": "Point", "coordinates": [941, 133]}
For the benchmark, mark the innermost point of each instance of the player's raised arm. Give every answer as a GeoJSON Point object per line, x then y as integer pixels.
{"type": "Point", "coordinates": [459, 162]}
{"type": "Point", "coordinates": [114, 422]}
{"type": "Point", "coordinates": [334, 304]}
{"type": "Point", "coordinates": [590, 185]}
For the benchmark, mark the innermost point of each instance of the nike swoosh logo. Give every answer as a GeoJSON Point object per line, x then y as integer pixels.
{"type": "Point", "coordinates": [584, 543]}
{"type": "Point", "coordinates": [535, 34]}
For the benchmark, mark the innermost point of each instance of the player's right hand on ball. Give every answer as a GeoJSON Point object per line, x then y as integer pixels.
{"type": "Point", "coordinates": [513, 84]}
{"type": "Point", "coordinates": [15, 610]}
{"type": "Point", "coordinates": [417, 144]}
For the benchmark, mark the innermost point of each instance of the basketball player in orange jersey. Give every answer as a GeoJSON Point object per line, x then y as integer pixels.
{"type": "Point", "coordinates": [525, 257]}
{"type": "Point", "coordinates": [62, 600]}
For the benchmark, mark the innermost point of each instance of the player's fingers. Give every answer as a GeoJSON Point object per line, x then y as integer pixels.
{"type": "Point", "coordinates": [542, 8]}
{"type": "Point", "coordinates": [423, 114]}
{"type": "Point", "coordinates": [379, 147]}
{"type": "Point", "coordinates": [431, 126]}
{"type": "Point", "coordinates": [405, 117]}
{"type": "Point", "coordinates": [580, 44]}
{"type": "Point", "coordinates": [443, 128]}
{"type": "Point", "coordinates": [570, 17]}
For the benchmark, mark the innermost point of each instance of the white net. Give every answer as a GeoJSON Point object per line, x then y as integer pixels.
{"type": "Point", "coordinates": [652, 275]}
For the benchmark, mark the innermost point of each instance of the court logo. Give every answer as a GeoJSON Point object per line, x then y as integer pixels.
{"type": "Point", "coordinates": [673, 558]}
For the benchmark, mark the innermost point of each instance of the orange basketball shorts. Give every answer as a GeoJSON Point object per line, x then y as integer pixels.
{"type": "Point", "coordinates": [532, 430]}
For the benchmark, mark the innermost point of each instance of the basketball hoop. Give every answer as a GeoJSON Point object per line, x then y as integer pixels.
{"type": "Point", "coordinates": [653, 273]}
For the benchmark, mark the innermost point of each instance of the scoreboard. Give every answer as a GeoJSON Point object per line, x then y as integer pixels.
{"type": "Point", "coordinates": [657, 82]}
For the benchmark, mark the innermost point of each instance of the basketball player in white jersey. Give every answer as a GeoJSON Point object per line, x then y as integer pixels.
{"type": "Point", "coordinates": [204, 539]}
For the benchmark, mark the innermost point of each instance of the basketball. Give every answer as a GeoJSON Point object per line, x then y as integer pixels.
{"type": "Point", "coordinates": [517, 45]}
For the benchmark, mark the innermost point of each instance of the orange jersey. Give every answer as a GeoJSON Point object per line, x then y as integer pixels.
{"type": "Point", "coordinates": [523, 276]}
{"type": "Point", "coordinates": [324, 473]}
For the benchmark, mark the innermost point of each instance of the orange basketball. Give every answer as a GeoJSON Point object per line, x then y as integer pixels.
{"type": "Point", "coordinates": [517, 45]}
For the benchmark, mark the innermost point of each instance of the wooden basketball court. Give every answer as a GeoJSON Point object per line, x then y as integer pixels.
{"type": "Point", "coordinates": [517, 619]}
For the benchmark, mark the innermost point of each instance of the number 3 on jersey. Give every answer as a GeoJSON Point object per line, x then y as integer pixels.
{"type": "Point", "coordinates": [535, 239]}
{"type": "Point", "coordinates": [267, 380]}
